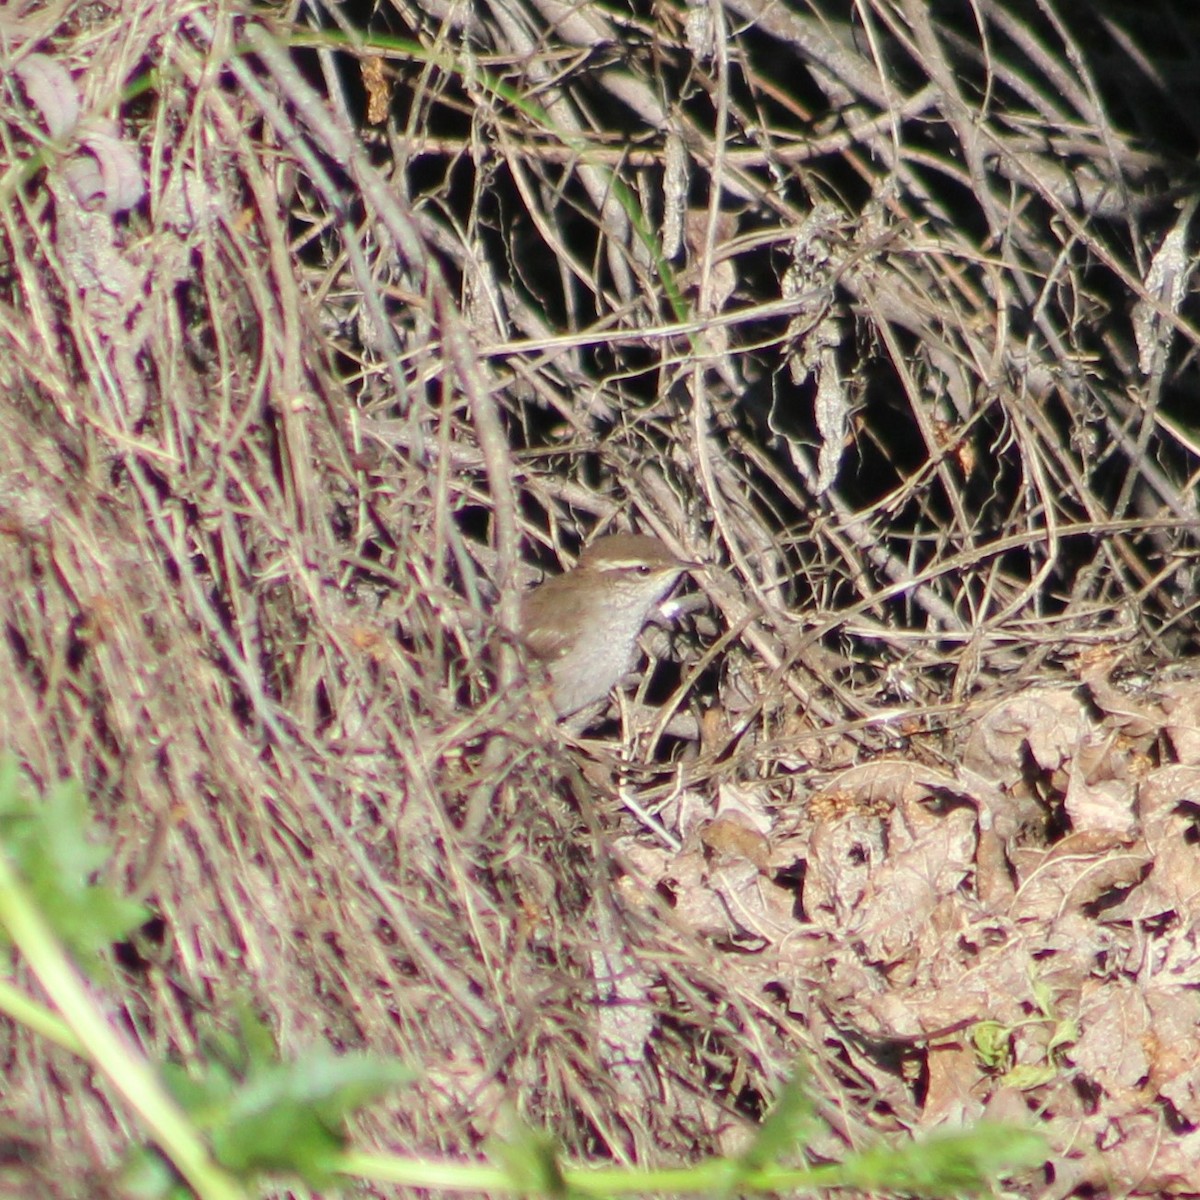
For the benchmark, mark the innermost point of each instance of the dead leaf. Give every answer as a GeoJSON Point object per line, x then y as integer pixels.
{"type": "Point", "coordinates": [1114, 1021]}
{"type": "Point", "coordinates": [52, 91]}
{"type": "Point", "coordinates": [729, 839]}
{"type": "Point", "coordinates": [1100, 789]}
{"type": "Point", "coordinates": [1045, 724]}
{"type": "Point", "coordinates": [107, 177]}
{"type": "Point", "coordinates": [1172, 1048]}
{"type": "Point", "coordinates": [1075, 871]}
{"type": "Point", "coordinates": [1181, 707]}
{"type": "Point", "coordinates": [1168, 805]}
{"type": "Point", "coordinates": [379, 91]}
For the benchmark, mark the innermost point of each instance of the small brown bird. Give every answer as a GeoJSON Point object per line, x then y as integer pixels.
{"type": "Point", "coordinates": [584, 624]}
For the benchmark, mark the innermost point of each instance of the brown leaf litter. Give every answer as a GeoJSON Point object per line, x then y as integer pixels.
{"type": "Point", "coordinates": [967, 959]}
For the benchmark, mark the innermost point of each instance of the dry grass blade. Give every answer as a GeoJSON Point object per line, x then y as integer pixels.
{"type": "Point", "coordinates": [310, 334]}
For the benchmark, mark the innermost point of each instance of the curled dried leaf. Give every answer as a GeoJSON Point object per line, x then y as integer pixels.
{"type": "Point", "coordinates": [52, 91]}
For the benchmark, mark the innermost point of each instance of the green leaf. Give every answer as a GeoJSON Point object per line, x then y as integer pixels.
{"type": "Point", "coordinates": [530, 1159]}
{"type": "Point", "coordinates": [991, 1041]}
{"type": "Point", "coordinates": [1027, 1076]}
{"type": "Point", "coordinates": [784, 1127]}
{"type": "Point", "coordinates": [255, 1046]}
{"type": "Point", "coordinates": [291, 1117]}
{"type": "Point", "coordinates": [1066, 1033]}
{"type": "Point", "coordinates": [262, 1115]}
{"type": "Point", "coordinates": [48, 843]}
{"type": "Point", "coordinates": [206, 1097]}
{"type": "Point", "coordinates": [1042, 994]}
{"type": "Point", "coordinates": [146, 1175]}
{"type": "Point", "coordinates": [946, 1164]}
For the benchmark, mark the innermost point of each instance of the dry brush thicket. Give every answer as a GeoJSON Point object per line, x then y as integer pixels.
{"type": "Point", "coordinates": [308, 343]}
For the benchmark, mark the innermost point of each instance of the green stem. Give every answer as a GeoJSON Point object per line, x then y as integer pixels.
{"type": "Point", "coordinates": [715, 1176]}
{"type": "Point", "coordinates": [98, 1041]}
